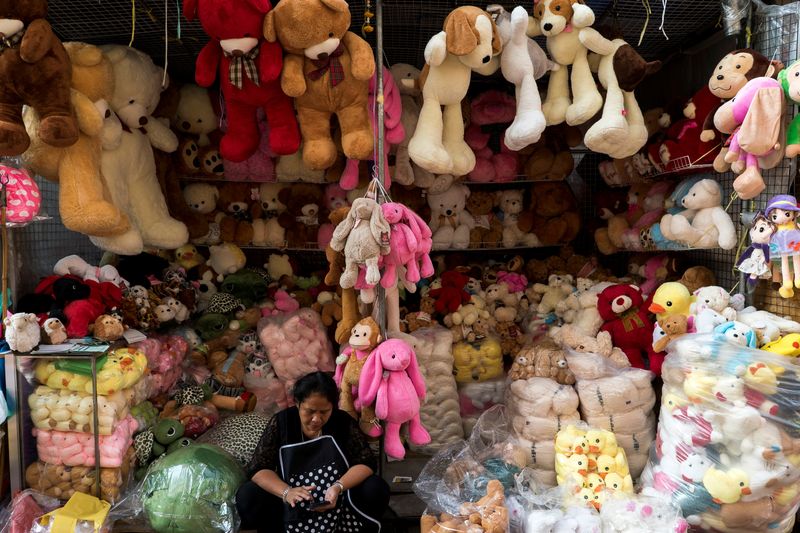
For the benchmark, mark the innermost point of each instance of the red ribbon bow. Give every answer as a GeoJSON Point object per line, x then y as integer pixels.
{"type": "Point", "coordinates": [332, 63]}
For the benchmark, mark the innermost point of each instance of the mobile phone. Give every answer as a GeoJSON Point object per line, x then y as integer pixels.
{"type": "Point", "coordinates": [315, 504]}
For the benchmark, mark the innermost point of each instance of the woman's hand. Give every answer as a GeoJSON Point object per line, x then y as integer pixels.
{"type": "Point", "coordinates": [298, 494]}
{"type": "Point", "coordinates": [331, 496]}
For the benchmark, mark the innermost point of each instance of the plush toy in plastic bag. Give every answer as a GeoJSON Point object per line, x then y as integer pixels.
{"type": "Point", "coordinates": [24, 509]}
{"type": "Point", "coordinates": [489, 515]}
{"type": "Point", "coordinates": [192, 491]}
{"type": "Point", "coordinates": [81, 514]}
{"type": "Point", "coordinates": [728, 444]}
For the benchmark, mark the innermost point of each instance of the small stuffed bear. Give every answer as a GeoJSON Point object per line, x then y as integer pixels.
{"type": "Point", "coordinates": [108, 328]}
{"type": "Point", "coordinates": [327, 71]}
{"type": "Point", "coordinates": [35, 71]}
{"type": "Point", "coordinates": [488, 229]}
{"type": "Point", "coordinates": [549, 361]}
{"type": "Point", "coordinates": [236, 202]}
{"type": "Point", "coordinates": [450, 223]}
{"type": "Point", "coordinates": [558, 287]}
{"type": "Point", "coordinates": [302, 217]}
{"type": "Point", "coordinates": [522, 368]}
{"type": "Point", "coordinates": [673, 327]}
{"type": "Point", "coordinates": [517, 225]}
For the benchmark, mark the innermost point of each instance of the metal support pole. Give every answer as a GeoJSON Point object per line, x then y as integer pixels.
{"type": "Point", "coordinates": [380, 295]}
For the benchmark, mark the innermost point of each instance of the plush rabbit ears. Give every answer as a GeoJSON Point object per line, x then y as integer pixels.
{"type": "Point", "coordinates": [761, 130]}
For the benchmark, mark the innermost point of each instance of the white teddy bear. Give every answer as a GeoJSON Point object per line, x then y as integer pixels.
{"type": "Point", "coordinates": [510, 203]}
{"type": "Point", "coordinates": [450, 222]}
{"type": "Point", "coordinates": [716, 299]}
{"type": "Point", "coordinates": [703, 223]}
{"type": "Point", "coordinates": [558, 287]}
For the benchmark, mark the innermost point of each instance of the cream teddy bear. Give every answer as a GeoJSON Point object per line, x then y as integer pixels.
{"type": "Point", "coordinates": [558, 287]}
{"type": "Point", "coordinates": [450, 222]}
{"type": "Point", "coordinates": [703, 223]}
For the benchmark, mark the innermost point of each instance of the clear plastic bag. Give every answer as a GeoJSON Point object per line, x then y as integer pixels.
{"type": "Point", "coordinates": [24, 509]}
{"type": "Point", "coordinates": [440, 412]}
{"type": "Point", "coordinates": [617, 399]}
{"type": "Point", "coordinates": [489, 514]}
{"type": "Point", "coordinates": [640, 513]}
{"type": "Point", "coordinates": [192, 490]}
{"type": "Point", "coordinates": [296, 343]}
{"type": "Point", "coordinates": [728, 444]}
{"type": "Point", "coordinates": [475, 398]}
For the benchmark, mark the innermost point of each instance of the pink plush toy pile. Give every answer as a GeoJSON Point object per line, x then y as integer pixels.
{"type": "Point", "coordinates": [260, 165]}
{"type": "Point", "coordinates": [409, 246]}
{"type": "Point", "coordinates": [297, 344]}
{"type": "Point", "coordinates": [393, 129]}
{"type": "Point", "coordinates": [165, 355]}
{"type": "Point", "coordinates": [391, 378]}
{"type": "Point", "coordinates": [77, 449]}
{"type": "Point", "coordinates": [491, 107]}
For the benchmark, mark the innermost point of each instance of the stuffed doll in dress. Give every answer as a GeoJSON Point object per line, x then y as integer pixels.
{"type": "Point", "coordinates": [782, 211]}
{"type": "Point", "coordinates": [755, 261]}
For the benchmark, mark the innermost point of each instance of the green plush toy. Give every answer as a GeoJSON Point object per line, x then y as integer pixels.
{"type": "Point", "coordinates": [164, 438]}
{"type": "Point", "coordinates": [247, 286]}
{"type": "Point", "coordinates": [192, 491]}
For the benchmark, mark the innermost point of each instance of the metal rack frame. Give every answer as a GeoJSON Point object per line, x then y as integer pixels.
{"type": "Point", "coordinates": [16, 387]}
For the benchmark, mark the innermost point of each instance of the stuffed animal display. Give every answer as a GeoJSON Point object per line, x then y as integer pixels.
{"type": "Point", "coordinates": [720, 456]}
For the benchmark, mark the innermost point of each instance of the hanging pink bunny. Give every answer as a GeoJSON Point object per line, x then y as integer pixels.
{"type": "Point", "coordinates": [391, 378]}
{"type": "Point", "coordinates": [425, 239]}
{"type": "Point", "coordinates": [403, 245]}
{"type": "Point", "coordinates": [392, 127]}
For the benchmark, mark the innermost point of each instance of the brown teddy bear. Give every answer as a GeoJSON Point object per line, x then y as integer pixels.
{"type": "Point", "coordinates": [301, 219]}
{"type": "Point", "coordinates": [698, 276]}
{"type": "Point", "coordinates": [36, 71]}
{"type": "Point", "coordinates": [556, 217]}
{"type": "Point", "coordinates": [84, 204]}
{"type": "Point", "coordinates": [488, 228]}
{"type": "Point", "coordinates": [511, 337]}
{"type": "Point", "coordinates": [549, 361]}
{"type": "Point", "coordinates": [488, 515]}
{"type": "Point", "coordinates": [236, 202]}
{"type": "Point", "coordinates": [674, 326]}
{"type": "Point", "coordinates": [522, 368]}
{"type": "Point", "coordinates": [169, 169]}
{"type": "Point", "coordinates": [327, 70]}
{"type": "Point", "coordinates": [422, 318]}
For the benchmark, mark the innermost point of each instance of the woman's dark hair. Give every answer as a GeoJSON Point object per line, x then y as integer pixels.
{"type": "Point", "coordinates": [316, 383]}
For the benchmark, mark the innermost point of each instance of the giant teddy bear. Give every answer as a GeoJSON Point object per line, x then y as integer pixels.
{"type": "Point", "coordinates": [248, 69]}
{"type": "Point", "coordinates": [129, 169]}
{"type": "Point", "coordinates": [327, 71]}
{"type": "Point", "coordinates": [84, 204]}
{"type": "Point", "coordinates": [35, 71]}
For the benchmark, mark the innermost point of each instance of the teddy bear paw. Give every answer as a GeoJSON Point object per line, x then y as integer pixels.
{"type": "Point", "coordinates": [59, 130]}
{"type": "Point", "coordinates": [128, 243]}
{"type": "Point", "coordinates": [167, 233]}
{"type": "Point", "coordinates": [526, 129]}
{"type": "Point", "coordinates": [431, 156]}
{"type": "Point", "coordinates": [462, 156]}
{"type": "Point", "coordinates": [14, 139]}
{"type": "Point", "coordinates": [319, 154]}
{"type": "Point", "coordinates": [555, 111]}
{"type": "Point", "coordinates": [584, 108]}
{"type": "Point", "coordinates": [358, 144]}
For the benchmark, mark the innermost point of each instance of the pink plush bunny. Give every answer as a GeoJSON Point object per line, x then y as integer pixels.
{"type": "Point", "coordinates": [755, 120]}
{"type": "Point", "coordinates": [393, 129]}
{"type": "Point", "coordinates": [391, 378]}
{"type": "Point", "coordinates": [403, 246]}
{"type": "Point", "coordinates": [425, 241]}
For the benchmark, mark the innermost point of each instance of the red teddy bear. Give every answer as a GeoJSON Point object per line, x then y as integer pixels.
{"type": "Point", "coordinates": [249, 68]}
{"type": "Point", "coordinates": [627, 320]}
{"type": "Point", "coordinates": [452, 293]}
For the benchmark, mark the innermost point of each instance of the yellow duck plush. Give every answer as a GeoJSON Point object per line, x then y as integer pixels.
{"type": "Point", "coordinates": [594, 482]}
{"type": "Point", "coordinates": [607, 464]}
{"type": "Point", "coordinates": [788, 345]}
{"type": "Point", "coordinates": [566, 438]}
{"type": "Point", "coordinates": [763, 377]}
{"type": "Point", "coordinates": [671, 298]}
{"type": "Point", "coordinates": [697, 386]}
{"type": "Point", "coordinates": [566, 467]}
{"type": "Point", "coordinates": [672, 401]}
{"type": "Point", "coordinates": [601, 442]}
{"type": "Point", "coordinates": [619, 483]}
{"type": "Point", "coordinates": [120, 370]}
{"type": "Point", "coordinates": [726, 487]}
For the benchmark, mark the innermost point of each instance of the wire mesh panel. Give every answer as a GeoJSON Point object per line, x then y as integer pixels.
{"type": "Point", "coordinates": [35, 248]}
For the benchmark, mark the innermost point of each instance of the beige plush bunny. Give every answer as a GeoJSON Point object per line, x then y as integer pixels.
{"type": "Point", "coordinates": [364, 237]}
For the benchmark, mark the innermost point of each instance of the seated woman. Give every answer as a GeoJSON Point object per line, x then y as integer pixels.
{"type": "Point", "coordinates": [313, 469]}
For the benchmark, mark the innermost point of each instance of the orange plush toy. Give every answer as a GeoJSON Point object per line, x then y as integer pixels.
{"type": "Point", "coordinates": [327, 71]}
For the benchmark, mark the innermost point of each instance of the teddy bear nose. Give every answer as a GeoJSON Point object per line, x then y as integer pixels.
{"type": "Point", "coordinates": [486, 59]}
{"type": "Point", "coordinates": [236, 207]}
{"type": "Point", "coordinates": [108, 113]}
{"type": "Point", "coordinates": [142, 121]}
{"type": "Point", "coordinates": [449, 212]}
{"type": "Point", "coordinates": [547, 26]}
{"type": "Point", "coordinates": [237, 53]}
{"type": "Point", "coordinates": [620, 301]}
{"type": "Point", "coordinates": [322, 55]}
{"type": "Point", "coordinates": [720, 77]}
{"type": "Point", "coordinates": [185, 125]}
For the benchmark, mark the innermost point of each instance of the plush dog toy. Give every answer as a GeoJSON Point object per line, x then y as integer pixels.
{"type": "Point", "coordinates": [36, 71]}
{"type": "Point", "coordinates": [754, 118]}
{"type": "Point", "coordinates": [327, 71]}
{"type": "Point", "coordinates": [522, 62]}
{"type": "Point", "coordinates": [562, 23]}
{"type": "Point", "coordinates": [248, 69]}
{"type": "Point", "coordinates": [469, 42]}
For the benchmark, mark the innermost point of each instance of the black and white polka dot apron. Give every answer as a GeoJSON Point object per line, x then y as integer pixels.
{"type": "Point", "coordinates": [320, 462]}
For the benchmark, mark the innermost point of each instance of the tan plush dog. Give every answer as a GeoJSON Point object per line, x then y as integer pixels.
{"type": "Point", "coordinates": [563, 22]}
{"type": "Point", "coordinates": [327, 70]}
{"type": "Point", "coordinates": [469, 42]}
{"type": "Point", "coordinates": [84, 204]}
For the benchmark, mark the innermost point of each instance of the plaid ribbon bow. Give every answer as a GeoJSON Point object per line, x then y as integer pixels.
{"type": "Point", "coordinates": [241, 65]}
{"type": "Point", "coordinates": [11, 42]}
{"type": "Point", "coordinates": [331, 63]}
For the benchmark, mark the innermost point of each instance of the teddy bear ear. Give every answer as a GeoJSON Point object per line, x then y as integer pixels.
{"type": "Point", "coordinates": [263, 6]}
{"type": "Point", "coordinates": [190, 9]}
{"type": "Point", "coordinates": [340, 6]}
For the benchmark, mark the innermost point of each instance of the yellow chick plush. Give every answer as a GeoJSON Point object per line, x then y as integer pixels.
{"type": "Point", "coordinates": [788, 345]}
{"type": "Point", "coordinates": [616, 482]}
{"type": "Point", "coordinates": [763, 377]}
{"type": "Point", "coordinates": [574, 464]}
{"type": "Point", "coordinates": [726, 487]}
{"type": "Point", "coordinates": [601, 442]}
{"type": "Point", "coordinates": [607, 464]}
{"type": "Point", "coordinates": [697, 386]}
{"type": "Point", "coordinates": [594, 482]}
{"type": "Point", "coordinates": [672, 401]}
{"type": "Point", "coordinates": [565, 439]}
{"type": "Point", "coordinates": [671, 298]}
{"type": "Point", "coordinates": [590, 497]}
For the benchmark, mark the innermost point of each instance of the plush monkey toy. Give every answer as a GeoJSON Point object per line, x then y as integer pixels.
{"type": "Point", "coordinates": [731, 74]}
{"type": "Point", "coordinates": [364, 337]}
